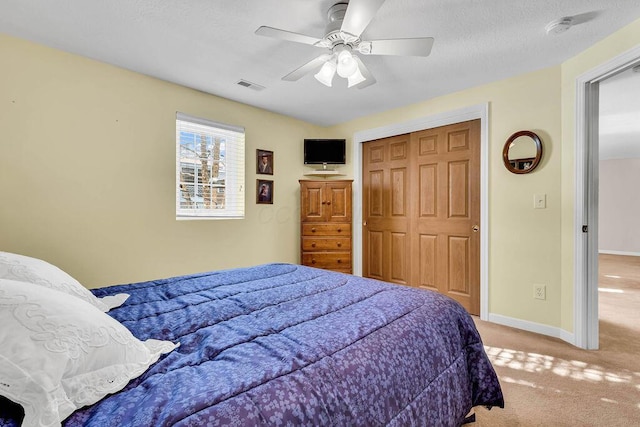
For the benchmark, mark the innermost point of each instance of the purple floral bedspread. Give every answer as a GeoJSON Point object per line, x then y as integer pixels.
{"type": "Point", "coordinates": [287, 345]}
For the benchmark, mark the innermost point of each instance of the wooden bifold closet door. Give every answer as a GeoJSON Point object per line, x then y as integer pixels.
{"type": "Point", "coordinates": [421, 211]}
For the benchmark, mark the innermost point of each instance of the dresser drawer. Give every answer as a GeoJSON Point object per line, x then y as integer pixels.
{"type": "Point", "coordinates": [326, 229]}
{"type": "Point", "coordinates": [328, 260]}
{"type": "Point", "coordinates": [326, 244]}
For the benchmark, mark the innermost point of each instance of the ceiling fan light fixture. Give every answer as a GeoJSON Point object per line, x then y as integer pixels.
{"type": "Point", "coordinates": [347, 21]}
{"type": "Point", "coordinates": [326, 73]}
{"type": "Point", "coordinates": [355, 78]}
{"type": "Point", "coordinates": [347, 65]}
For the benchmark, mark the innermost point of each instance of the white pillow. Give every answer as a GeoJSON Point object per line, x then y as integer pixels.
{"type": "Point", "coordinates": [32, 270]}
{"type": "Point", "coordinates": [60, 353]}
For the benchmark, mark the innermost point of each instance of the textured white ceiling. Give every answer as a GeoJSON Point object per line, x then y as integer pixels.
{"type": "Point", "coordinates": [210, 45]}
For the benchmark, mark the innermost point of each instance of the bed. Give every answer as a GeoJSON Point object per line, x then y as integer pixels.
{"type": "Point", "coordinates": [288, 345]}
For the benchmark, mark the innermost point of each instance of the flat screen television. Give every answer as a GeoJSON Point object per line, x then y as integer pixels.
{"type": "Point", "coordinates": [324, 151]}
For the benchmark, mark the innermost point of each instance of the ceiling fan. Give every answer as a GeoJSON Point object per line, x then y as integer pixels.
{"type": "Point", "coordinates": [347, 21]}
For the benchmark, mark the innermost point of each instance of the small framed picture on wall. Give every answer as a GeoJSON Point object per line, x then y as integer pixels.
{"type": "Point", "coordinates": [264, 162]}
{"type": "Point", "coordinates": [264, 191]}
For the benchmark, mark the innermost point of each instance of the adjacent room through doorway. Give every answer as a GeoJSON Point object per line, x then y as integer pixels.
{"type": "Point", "coordinates": [619, 208]}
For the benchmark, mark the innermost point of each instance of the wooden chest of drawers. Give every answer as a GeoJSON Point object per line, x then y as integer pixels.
{"type": "Point", "coordinates": [325, 217]}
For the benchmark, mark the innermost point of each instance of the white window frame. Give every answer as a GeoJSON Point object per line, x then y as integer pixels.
{"type": "Point", "coordinates": [231, 166]}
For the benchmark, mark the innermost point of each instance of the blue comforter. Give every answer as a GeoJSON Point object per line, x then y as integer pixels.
{"type": "Point", "coordinates": [287, 345]}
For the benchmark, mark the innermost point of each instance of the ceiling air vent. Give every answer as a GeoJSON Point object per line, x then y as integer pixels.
{"type": "Point", "coordinates": [249, 85]}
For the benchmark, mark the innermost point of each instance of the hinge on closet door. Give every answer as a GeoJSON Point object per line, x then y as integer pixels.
{"type": "Point", "coordinates": [585, 228]}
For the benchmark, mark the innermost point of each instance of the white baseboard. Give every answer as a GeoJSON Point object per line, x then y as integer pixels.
{"type": "Point", "coordinates": [538, 328]}
{"type": "Point", "coordinates": [604, 251]}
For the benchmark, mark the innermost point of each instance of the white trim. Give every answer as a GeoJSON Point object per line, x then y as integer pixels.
{"type": "Point", "coordinates": [585, 285]}
{"type": "Point", "coordinates": [607, 252]}
{"type": "Point", "coordinates": [579, 248]}
{"type": "Point", "coordinates": [209, 123]}
{"type": "Point", "coordinates": [537, 328]}
{"type": "Point", "coordinates": [479, 111]}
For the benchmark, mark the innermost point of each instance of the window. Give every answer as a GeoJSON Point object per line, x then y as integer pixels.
{"type": "Point", "coordinates": [209, 169]}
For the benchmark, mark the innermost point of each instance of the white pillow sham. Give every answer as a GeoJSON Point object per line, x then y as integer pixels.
{"type": "Point", "coordinates": [59, 354]}
{"type": "Point", "coordinates": [33, 270]}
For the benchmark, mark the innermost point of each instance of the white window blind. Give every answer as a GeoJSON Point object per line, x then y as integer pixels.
{"type": "Point", "coordinates": [209, 169]}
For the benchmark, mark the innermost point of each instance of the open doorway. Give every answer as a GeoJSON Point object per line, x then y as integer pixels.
{"type": "Point", "coordinates": [618, 209]}
{"type": "Point", "coordinates": [586, 298]}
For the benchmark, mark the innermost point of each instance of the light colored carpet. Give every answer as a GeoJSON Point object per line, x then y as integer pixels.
{"type": "Point", "coordinates": [547, 382]}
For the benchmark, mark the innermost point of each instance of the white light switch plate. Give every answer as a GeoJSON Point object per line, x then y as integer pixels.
{"type": "Point", "coordinates": [539, 201]}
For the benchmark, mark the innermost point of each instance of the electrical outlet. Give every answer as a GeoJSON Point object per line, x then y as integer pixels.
{"type": "Point", "coordinates": [539, 291]}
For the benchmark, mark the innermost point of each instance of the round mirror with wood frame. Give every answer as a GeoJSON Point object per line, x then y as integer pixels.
{"type": "Point", "coordinates": [522, 152]}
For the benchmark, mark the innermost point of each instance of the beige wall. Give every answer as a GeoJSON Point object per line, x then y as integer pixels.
{"type": "Point", "coordinates": [528, 246]}
{"type": "Point", "coordinates": [524, 243]}
{"type": "Point", "coordinates": [87, 172]}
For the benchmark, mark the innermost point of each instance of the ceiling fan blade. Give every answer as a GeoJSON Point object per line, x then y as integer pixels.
{"type": "Point", "coordinates": [286, 35]}
{"type": "Point", "coordinates": [359, 14]}
{"type": "Point", "coordinates": [404, 47]}
{"type": "Point", "coordinates": [307, 68]}
{"type": "Point", "coordinates": [365, 72]}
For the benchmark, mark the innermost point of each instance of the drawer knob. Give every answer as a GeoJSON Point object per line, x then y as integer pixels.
{"type": "Point", "coordinates": [313, 245]}
{"type": "Point", "coordinates": [339, 230]}
{"type": "Point", "coordinates": [313, 230]}
{"type": "Point", "coordinates": [339, 244]}
{"type": "Point", "coordinates": [313, 261]}
{"type": "Point", "coordinates": [328, 203]}
{"type": "Point", "coordinates": [339, 261]}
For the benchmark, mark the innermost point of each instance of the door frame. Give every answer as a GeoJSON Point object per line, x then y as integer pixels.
{"type": "Point", "coordinates": [585, 284]}
{"type": "Point", "coordinates": [473, 112]}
